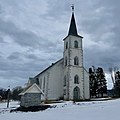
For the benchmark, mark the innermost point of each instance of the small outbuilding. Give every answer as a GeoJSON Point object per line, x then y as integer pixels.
{"type": "Point", "coordinates": [31, 96]}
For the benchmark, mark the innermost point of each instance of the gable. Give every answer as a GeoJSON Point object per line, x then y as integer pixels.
{"type": "Point", "coordinates": [33, 89]}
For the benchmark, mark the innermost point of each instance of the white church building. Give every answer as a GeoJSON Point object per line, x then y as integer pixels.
{"type": "Point", "coordinates": [67, 78]}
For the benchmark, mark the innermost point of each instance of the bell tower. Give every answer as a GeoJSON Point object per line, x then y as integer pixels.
{"type": "Point", "coordinates": [73, 63]}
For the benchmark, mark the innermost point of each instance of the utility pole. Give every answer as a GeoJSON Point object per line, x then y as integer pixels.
{"type": "Point", "coordinates": [8, 97]}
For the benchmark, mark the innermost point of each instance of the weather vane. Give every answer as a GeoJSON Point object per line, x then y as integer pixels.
{"type": "Point", "coordinates": [72, 6]}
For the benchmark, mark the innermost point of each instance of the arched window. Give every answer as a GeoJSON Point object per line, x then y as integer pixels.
{"type": "Point", "coordinates": [64, 92]}
{"type": "Point", "coordinates": [76, 93]}
{"type": "Point", "coordinates": [76, 60]}
{"type": "Point", "coordinates": [76, 44]}
{"type": "Point", "coordinates": [65, 61]}
{"type": "Point", "coordinates": [41, 83]}
{"type": "Point", "coordinates": [66, 45]}
{"type": "Point", "coordinates": [65, 80]}
{"type": "Point", "coordinates": [76, 79]}
{"type": "Point", "coordinates": [44, 85]}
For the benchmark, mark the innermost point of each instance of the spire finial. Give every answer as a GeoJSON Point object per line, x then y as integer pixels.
{"type": "Point", "coordinates": [72, 6]}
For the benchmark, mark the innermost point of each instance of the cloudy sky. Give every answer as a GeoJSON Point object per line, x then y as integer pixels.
{"type": "Point", "coordinates": [31, 33]}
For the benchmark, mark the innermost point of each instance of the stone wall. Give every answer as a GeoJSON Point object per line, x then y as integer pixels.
{"type": "Point", "coordinates": [30, 99]}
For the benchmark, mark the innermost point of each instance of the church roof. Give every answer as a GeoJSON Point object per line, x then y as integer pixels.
{"type": "Point", "coordinates": [48, 67]}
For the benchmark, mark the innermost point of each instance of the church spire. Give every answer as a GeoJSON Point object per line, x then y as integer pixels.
{"type": "Point", "coordinates": [73, 28]}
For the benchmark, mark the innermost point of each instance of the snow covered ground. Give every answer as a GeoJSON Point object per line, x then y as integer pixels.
{"type": "Point", "coordinates": [95, 110]}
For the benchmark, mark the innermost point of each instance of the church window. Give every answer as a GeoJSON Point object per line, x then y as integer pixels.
{"type": "Point", "coordinates": [66, 45]}
{"type": "Point", "coordinates": [76, 79]}
{"type": "Point", "coordinates": [76, 44]}
{"type": "Point", "coordinates": [76, 61]}
{"type": "Point", "coordinates": [64, 92]}
{"type": "Point", "coordinates": [44, 85]}
{"type": "Point", "coordinates": [40, 82]}
{"type": "Point", "coordinates": [65, 61]}
{"type": "Point", "coordinates": [65, 80]}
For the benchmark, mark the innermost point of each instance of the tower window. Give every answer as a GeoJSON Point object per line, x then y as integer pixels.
{"type": "Point", "coordinates": [65, 61]}
{"type": "Point", "coordinates": [66, 45]}
{"type": "Point", "coordinates": [65, 80]}
{"type": "Point", "coordinates": [76, 61]}
{"type": "Point", "coordinates": [76, 79]}
{"type": "Point", "coordinates": [76, 44]}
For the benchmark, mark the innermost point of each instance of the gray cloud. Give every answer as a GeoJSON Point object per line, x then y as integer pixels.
{"type": "Point", "coordinates": [2, 40]}
{"type": "Point", "coordinates": [35, 35]}
{"type": "Point", "coordinates": [22, 37]}
{"type": "Point", "coordinates": [14, 56]}
{"type": "Point", "coordinates": [26, 38]}
{"type": "Point", "coordinates": [101, 24]}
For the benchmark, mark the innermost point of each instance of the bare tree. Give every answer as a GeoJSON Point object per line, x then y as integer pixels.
{"type": "Point", "coordinates": [115, 76]}
{"type": "Point", "coordinates": [112, 72]}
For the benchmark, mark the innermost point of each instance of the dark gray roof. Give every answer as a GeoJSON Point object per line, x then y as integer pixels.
{"type": "Point", "coordinates": [73, 28]}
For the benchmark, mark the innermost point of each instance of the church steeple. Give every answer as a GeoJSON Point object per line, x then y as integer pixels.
{"type": "Point", "coordinates": [73, 28]}
{"type": "Point", "coordinates": [76, 82]}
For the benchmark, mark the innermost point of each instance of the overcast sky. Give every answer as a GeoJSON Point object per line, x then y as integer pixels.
{"type": "Point", "coordinates": [32, 32]}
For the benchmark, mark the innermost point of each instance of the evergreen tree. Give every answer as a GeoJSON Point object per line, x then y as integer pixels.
{"type": "Point", "coordinates": [102, 87]}
{"type": "Point", "coordinates": [98, 84]}
{"type": "Point", "coordinates": [3, 93]}
{"type": "Point", "coordinates": [117, 84]}
{"type": "Point", "coordinates": [93, 83]}
{"type": "Point", "coordinates": [15, 93]}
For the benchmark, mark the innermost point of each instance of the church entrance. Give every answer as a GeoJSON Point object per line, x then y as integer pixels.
{"type": "Point", "coordinates": [76, 94]}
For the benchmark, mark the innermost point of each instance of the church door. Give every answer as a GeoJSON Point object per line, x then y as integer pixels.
{"type": "Point", "coordinates": [76, 93]}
